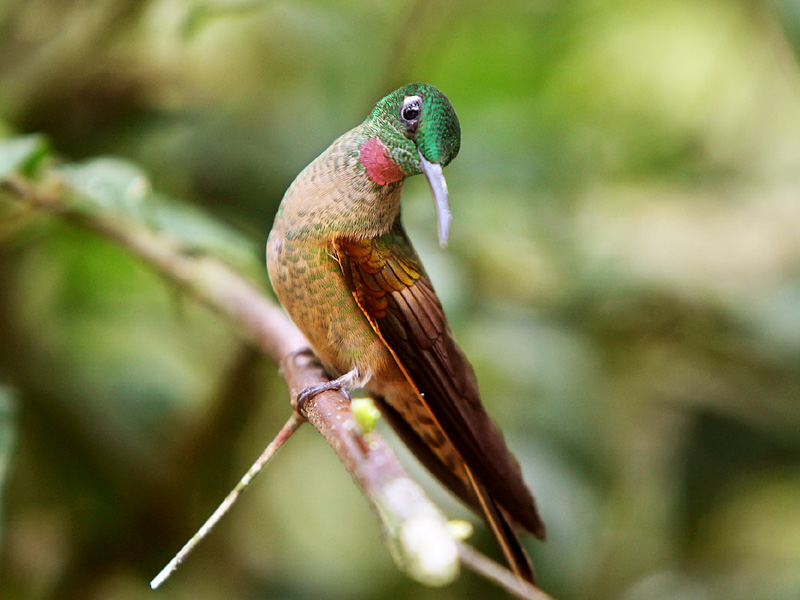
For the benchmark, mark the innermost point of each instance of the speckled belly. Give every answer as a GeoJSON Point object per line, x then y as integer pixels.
{"type": "Point", "coordinates": [310, 285]}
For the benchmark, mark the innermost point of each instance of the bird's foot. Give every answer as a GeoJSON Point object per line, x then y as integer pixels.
{"type": "Point", "coordinates": [344, 384]}
{"type": "Point", "coordinates": [314, 390]}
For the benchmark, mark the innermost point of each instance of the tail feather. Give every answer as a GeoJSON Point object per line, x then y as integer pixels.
{"type": "Point", "coordinates": [468, 490]}
{"type": "Point", "coordinates": [504, 534]}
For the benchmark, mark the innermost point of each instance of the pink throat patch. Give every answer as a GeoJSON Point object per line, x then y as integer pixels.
{"type": "Point", "coordinates": [379, 165]}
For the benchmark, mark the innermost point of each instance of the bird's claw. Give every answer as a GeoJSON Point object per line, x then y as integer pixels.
{"type": "Point", "coordinates": [311, 391]}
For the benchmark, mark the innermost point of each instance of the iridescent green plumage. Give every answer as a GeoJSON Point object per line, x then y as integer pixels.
{"type": "Point", "coordinates": [438, 135]}
{"type": "Point", "coordinates": [346, 273]}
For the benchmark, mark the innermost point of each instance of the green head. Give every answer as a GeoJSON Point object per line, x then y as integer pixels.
{"type": "Point", "coordinates": [419, 133]}
{"type": "Point", "coordinates": [419, 116]}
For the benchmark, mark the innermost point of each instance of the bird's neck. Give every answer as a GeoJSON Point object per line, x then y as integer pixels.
{"type": "Point", "coordinates": [334, 196]}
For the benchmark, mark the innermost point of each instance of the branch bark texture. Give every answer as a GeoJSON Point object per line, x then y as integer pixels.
{"type": "Point", "coordinates": [415, 530]}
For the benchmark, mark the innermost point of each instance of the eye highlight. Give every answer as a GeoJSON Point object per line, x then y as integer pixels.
{"type": "Point", "coordinates": [410, 111]}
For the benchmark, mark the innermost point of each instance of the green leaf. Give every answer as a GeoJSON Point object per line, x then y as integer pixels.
{"type": "Point", "coordinates": [22, 154]}
{"type": "Point", "coordinates": [198, 232]}
{"type": "Point", "coordinates": [120, 188]}
{"type": "Point", "coordinates": [7, 437]}
{"type": "Point", "coordinates": [108, 185]}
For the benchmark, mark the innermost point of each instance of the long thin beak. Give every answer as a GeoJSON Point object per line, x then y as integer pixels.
{"type": "Point", "coordinates": [433, 171]}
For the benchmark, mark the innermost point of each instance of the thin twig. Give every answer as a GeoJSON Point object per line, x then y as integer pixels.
{"type": "Point", "coordinates": [493, 571]}
{"type": "Point", "coordinates": [284, 434]}
{"type": "Point", "coordinates": [415, 531]}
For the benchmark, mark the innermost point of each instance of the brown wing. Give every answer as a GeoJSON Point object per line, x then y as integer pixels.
{"type": "Point", "coordinates": [392, 288]}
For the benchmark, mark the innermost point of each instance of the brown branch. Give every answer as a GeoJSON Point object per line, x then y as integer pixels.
{"type": "Point", "coordinates": [414, 529]}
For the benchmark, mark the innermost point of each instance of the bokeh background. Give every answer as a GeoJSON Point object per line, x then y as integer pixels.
{"type": "Point", "coordinates": [624, 272]}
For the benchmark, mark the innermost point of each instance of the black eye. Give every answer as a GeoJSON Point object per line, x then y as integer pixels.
{"type": "Point", "coordinates": [411, 112]}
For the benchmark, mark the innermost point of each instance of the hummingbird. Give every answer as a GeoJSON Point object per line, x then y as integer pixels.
{"type": "Point", "coordinates": [345, 271]}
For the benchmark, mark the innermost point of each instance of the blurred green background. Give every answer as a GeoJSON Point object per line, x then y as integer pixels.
{"type": "Point", "coordinates": [624, 272]}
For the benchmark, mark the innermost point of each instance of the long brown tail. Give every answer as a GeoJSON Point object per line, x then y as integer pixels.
{"type": "Point", "coordinates": [467, 489]}
{"type": "Point", "coordinates": [504, 534]}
